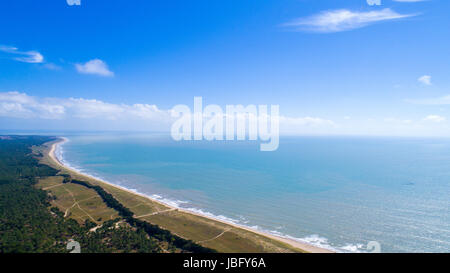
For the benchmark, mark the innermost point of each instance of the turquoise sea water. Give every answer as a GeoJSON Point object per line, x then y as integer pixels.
{"type": "Point", "coordinates": [336, 192]}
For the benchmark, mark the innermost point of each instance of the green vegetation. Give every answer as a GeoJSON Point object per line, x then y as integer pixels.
{"type": "Point", "coordinates": [26, 225]}
{"type": "Point", "coordinates": [28, 222]}
{"type": "Point", "coordinates": [153, 230]}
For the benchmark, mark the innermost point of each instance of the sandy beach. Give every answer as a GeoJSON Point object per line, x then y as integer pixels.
{"type": "Point", "coordinates": [294, 243]}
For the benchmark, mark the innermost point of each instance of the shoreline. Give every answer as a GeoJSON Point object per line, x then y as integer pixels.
{"type": "Point", "coordinates": [294, 243]}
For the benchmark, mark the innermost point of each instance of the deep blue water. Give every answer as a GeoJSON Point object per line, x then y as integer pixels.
{"type": "Point", "coordinates": [339, 192]}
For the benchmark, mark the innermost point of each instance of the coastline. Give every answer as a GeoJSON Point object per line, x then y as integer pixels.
{"type": "Point", "coordinates": [293, 243]}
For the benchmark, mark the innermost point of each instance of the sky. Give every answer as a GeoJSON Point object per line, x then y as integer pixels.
{"type": "Point", "coordinates": [334, 67]}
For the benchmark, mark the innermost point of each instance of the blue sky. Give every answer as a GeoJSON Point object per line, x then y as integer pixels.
{"type": "Point", "coordinates": [334, 67]}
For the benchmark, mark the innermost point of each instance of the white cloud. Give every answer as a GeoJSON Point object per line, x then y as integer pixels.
{"type": "Point", "coordinates": [425, 79]}
{"type": "Point", "coordinates": [435, 118]}
{"type": "Point", "coordinates": [100, 114]}
{"type": "Point", "coordinates": [95, 66]}
{"type": "Point", "coordinates": [342, 20]}
{"type": "Point", "coordinates": [23, 56]}
{"type": "Point", "coordinates": [20, 105]}
{"type": "Point", "coordinates": [92, 108]}
{"type": "Point", "coordinates": [21, 111]}
{"type": "Point", "coordinates": [16, 97]}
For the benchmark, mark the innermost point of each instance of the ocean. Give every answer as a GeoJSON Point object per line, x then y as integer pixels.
{"type": "Point", "coordinates": [335, 192]}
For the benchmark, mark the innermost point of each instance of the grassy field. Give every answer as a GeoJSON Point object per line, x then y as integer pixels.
{"type": "Point", "coordinates": [81, 203]}
{"type": "Point", "coordinates": [77, 201]}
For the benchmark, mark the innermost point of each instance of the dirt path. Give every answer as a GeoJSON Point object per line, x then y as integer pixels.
{"type": "Point", "coordinates": [156, 212]}
{"type": "Point", "coordinates": [51, 187]}
{"type": "Point", "coordinates": [223, 232]}
{"type": "Point", "coordinates": [78, 205]}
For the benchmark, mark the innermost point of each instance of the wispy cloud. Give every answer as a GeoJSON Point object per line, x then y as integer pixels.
{"type": "Point", "coordinates": [435, 118]}
{"type": "Point", "coordinates": [23, 56]}
{"type": "Point", "coordinates": [96, 67]}
{"type": "Point", "coordinates": [343, 19]}
{"type": "Point", "coordinates": [425, 79]}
